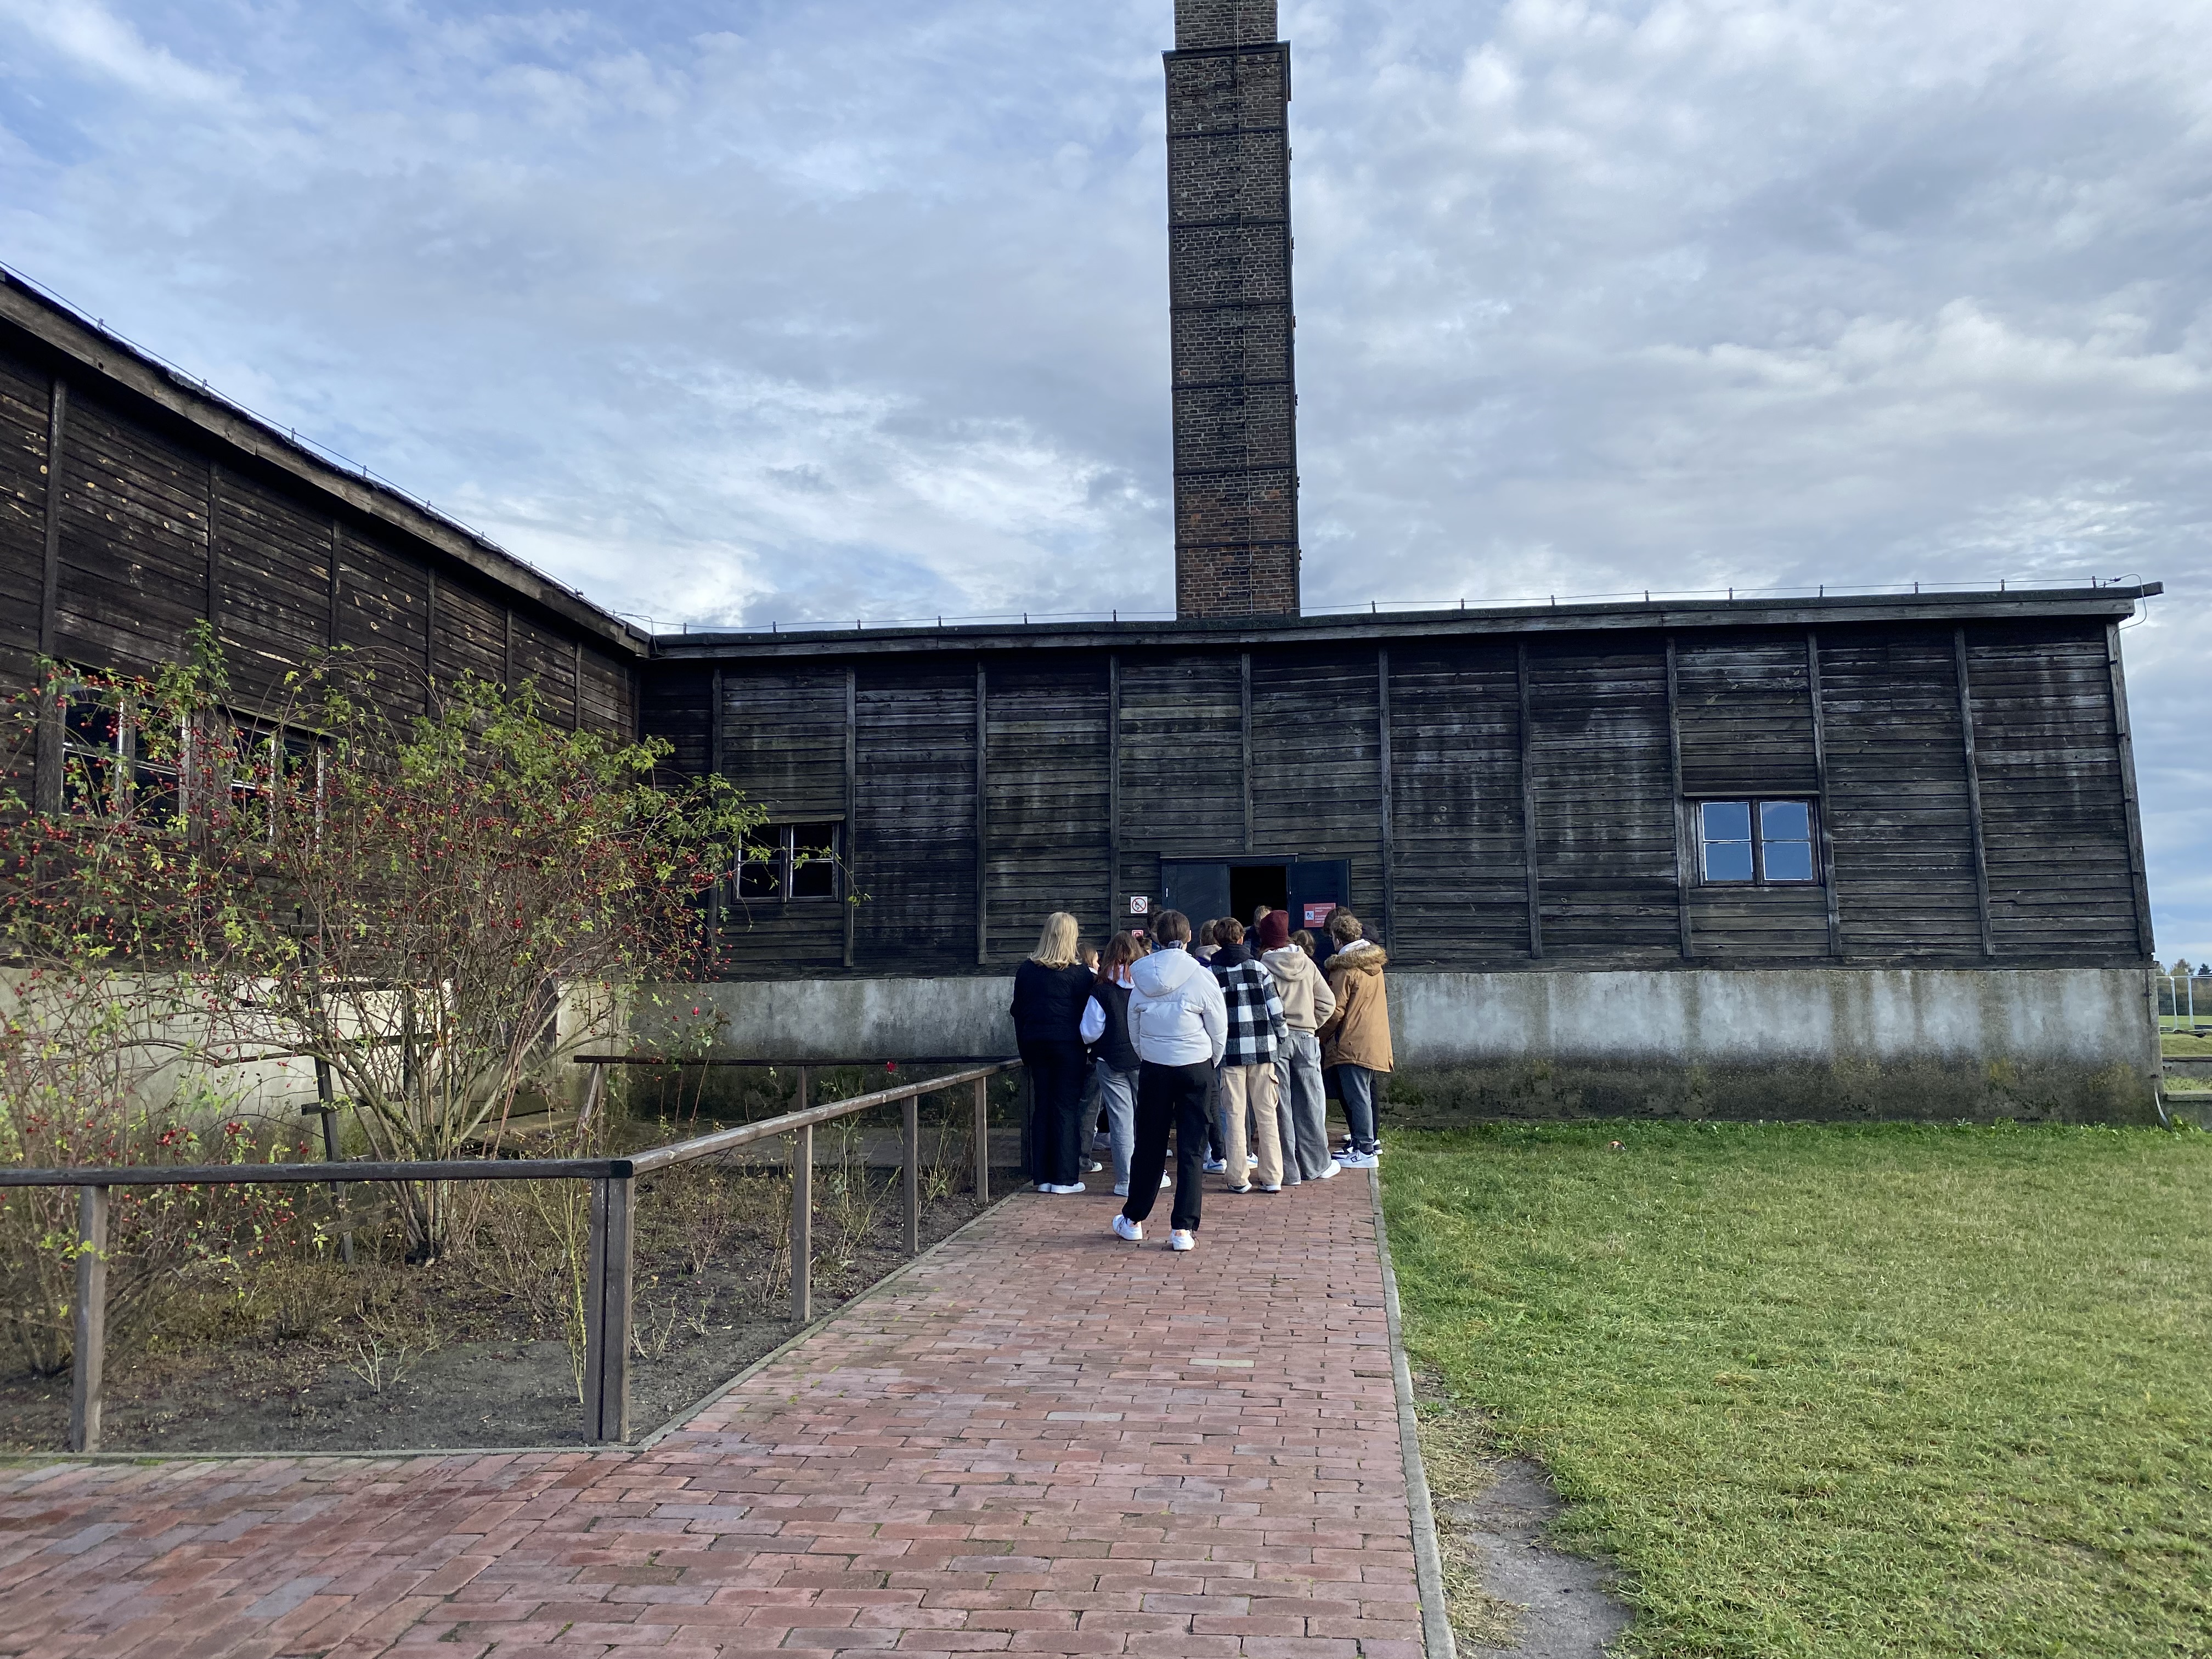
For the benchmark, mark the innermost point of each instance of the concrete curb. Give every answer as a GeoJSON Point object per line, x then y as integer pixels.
{"type": "Point", "coordinates": [1428, 1556]}
{"type": "Point", "coordinates": [620, 1449]}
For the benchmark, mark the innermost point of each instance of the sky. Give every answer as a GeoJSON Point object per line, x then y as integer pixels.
{"type": "Point", "coordinates": [727, 313]}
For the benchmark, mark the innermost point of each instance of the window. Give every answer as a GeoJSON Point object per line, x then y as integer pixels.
{"type": "Point", "coordinates": [790, 862]}
{"type": "Point", "coordinates": [265, 756]}
{"type": "Point", "coordinates": [110, 765]}
{"type": "Point", "coordinates": [1757, 842]}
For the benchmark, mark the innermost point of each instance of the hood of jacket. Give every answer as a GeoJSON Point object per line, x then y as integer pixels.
{"type": "Point", "coordinates": [1160, 973]}
{"type": "Point", "coordinates": [1362, 956]}
{"type": "Point", "coordinates": [1229, 956]}
{"type": "Point", "coordinates": [1288, 962]}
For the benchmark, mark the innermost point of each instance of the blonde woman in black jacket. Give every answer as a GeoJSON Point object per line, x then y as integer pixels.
{"type": "Point", "coordinates": [1050, 990]}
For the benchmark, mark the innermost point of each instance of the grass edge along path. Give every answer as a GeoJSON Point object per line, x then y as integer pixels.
{"type": "Point", "coordinates": [1840, 1391]}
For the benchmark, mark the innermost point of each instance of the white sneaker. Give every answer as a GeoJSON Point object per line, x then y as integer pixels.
{"type": "Point", "coordinates": [1072, 1187]}
{"type": "Point", "coordinates": [1182, 1239]}
{"type": "Point", "coordinates": [1357, 1160]}
{"type": "Point", "coordinates": [1277, 1187]}
{"type": "Point", "coordinates": [1331, 1173]}
{"type": "Point", "coordinates": [1132, 1230]}
{"type": "Point", "coordinates": [1092, 1166]}
{"type": "Point", "coordinates": [1166, 1182]}
{"type": "Point", "coordinates": [1217, 1166]}
{"type": "Point", "coordinates": [1251, 1160]}
{"type": "Point", "coordinates": [1245, 1188]}
{"type": "Point", "coordinates": [1121, 1190]}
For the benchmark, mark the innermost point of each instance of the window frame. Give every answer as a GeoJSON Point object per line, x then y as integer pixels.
{"type": "Point", "coordinates": [1755, 806]}
{"type": "Point", "coordinates": [785, 862]}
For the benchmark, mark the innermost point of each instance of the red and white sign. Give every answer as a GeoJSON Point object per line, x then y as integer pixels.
{"type": "Point", "coordinates": [1139, 905]}
{"type": "Point", "coordinates": [1318, 915]}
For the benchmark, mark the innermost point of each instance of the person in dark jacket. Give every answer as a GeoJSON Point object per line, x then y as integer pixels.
{"type": "Point", "coordinates": [1113, 1054]}
{"type": "Point", "coordinates": [1050, 990]}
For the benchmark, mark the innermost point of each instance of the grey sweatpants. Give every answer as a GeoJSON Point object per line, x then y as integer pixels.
{"type": "Point", "coordinates": [1303, 1110]}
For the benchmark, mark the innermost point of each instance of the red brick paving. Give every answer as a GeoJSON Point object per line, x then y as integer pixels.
{"type": "Point", "coordinates": [1016, 1448]}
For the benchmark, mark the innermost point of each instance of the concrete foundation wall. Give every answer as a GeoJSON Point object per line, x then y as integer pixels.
{"type": "Point", "coordinates": [2059, 1044]}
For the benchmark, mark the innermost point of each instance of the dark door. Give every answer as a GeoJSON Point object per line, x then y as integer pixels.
{"type": "Point", "coordinates": [1198, 888]}
{"type": "Point", "coordinates": [1317, 888]}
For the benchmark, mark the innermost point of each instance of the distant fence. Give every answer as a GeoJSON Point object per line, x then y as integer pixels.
{"type": "Point", "coordinates": [2180, 999]}
{"type": "Point", "coordinates": [611, 1251]}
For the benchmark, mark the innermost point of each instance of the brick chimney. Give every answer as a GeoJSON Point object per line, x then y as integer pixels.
{"type": "Point", "coordinates": [1229, 269]}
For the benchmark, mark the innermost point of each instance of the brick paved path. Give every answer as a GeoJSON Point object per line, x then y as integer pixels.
{"type": "Point", "coordinates": [1041, 1441]}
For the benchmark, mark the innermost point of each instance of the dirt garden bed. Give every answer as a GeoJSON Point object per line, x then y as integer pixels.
{"type": "Point", "coordinates": [297, 1352]}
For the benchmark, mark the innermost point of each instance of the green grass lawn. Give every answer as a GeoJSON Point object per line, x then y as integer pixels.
{"type": "Point", "coordinates": [1842, 1391]}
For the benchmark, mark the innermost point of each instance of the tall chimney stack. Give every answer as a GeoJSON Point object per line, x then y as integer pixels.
{"type": "Point", "coordinates": [1229, 282]}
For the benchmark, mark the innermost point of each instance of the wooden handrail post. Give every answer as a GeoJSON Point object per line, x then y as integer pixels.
{"type": "Point", "coordinates": [983, 1141]}
{"type": "Point", "coordinates": [802, 1224]}
{"type": "Point", "coordinates": [913, 1104]}
{"type": "Point", "coordinates": [89, 1355]}
{"type": "Point", "coordinates": [607, 1273]}
{"type": "Point", "coordinates": [326, 1106]}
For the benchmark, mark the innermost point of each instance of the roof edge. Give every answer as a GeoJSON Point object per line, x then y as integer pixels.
{"type": "Point", "coordinates": [1983, 605]}
{"type": "Point", "coordinates": [105, 355]}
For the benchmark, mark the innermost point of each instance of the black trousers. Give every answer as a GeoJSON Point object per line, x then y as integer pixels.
{"type": "Point", "coordinates": [1057, 1073]}
{"type": "Point", "coordinates": [1169, 1096]}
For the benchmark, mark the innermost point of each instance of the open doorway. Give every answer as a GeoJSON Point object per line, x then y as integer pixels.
{"type": "Point", "coordinates": [1203, 888]}
{"type": "Point", "coordinates": [1251, 885]}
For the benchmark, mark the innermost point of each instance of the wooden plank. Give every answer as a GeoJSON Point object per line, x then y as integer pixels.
{"type": "Point", "coordinates": [1821, 780]}
{"type": "Point", "coordinates": [336, 562]}
{"type": "Point", "coordinates": [852, 804]}
{"type": "Point", "coordinates": [1117, 907]}
{"type": "Point", "coordinates": [2124, 733]}
{"type": "Point", "coordinates": [57, 450]}
{"type": "Point", "coordinates": [507, 660]}
{"type": "Point", "coordinates": [1244, 735]}
{"type": "Point", "coordinates": [1387, 806]}
{"type": "Point", "coordinates": [214, 600]}
{"type": "Point", "coordinates": [1528, 813]}
{"type": "Point", "coordinates": [1974, 792]}
{"type": "Point", "coordinates": [1682, 840]}
{"type": "Point", "coordinates": [982, 814]}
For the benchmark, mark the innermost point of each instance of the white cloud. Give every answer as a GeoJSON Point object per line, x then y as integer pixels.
{"type": "Point", "coordinates": [89, 37]}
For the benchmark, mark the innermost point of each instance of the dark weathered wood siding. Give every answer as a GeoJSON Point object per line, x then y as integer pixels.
{"type": "Point", "coordinates": [1257, 753]}
{"type": "Point", "coordinates": [1047, 787]}
{"type": "Point", "coordinates": [162, 528]}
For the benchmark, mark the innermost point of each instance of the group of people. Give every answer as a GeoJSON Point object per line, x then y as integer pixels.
{"type": "Point", "coordinates": [1234, 1044]}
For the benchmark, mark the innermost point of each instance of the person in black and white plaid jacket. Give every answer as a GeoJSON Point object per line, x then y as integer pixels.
{"type": "Point", "coordinates": [1256, 1030]}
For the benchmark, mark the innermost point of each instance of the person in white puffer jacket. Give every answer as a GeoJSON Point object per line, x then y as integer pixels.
{"type": "Point", "coordinates": [1179, 1024]}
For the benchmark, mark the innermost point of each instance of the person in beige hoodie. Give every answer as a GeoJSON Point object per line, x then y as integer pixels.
{"type": "Point", "coordinates": [1306, 1001]}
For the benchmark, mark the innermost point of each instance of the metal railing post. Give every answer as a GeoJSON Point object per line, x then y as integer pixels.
{"type": "Point", "coordinates": [607, 1273]}
{"type": "Point", "coordinates": [802, 1213]}
{"type": "Point", "coordinates": [913, 1104]}
{"type": "Point", "coordinates": [802, 1224]}
{"type": "Point", "coordinates": [982, 1148]}
{"type": "Point", "coordinates": [326, 1108]}
{"type": "Point", "coordinates": [89, 1355]}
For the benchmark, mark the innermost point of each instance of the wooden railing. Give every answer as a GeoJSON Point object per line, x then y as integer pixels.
{"type": "Point", "coordinates": [609, 1265]}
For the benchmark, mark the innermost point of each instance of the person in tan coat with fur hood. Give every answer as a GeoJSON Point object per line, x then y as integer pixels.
{"type": "Point", "coordinates": [1356, 1038]}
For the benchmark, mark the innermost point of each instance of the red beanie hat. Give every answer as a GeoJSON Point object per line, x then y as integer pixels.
{"type": "Point", "coordinates": [1274, 930]}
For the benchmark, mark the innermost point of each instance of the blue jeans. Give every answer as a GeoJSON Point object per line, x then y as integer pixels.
{"type": "Point", "coordinates": [1358, 1085]}
{"type": "Point", "coordinates": [1117, 1092]}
